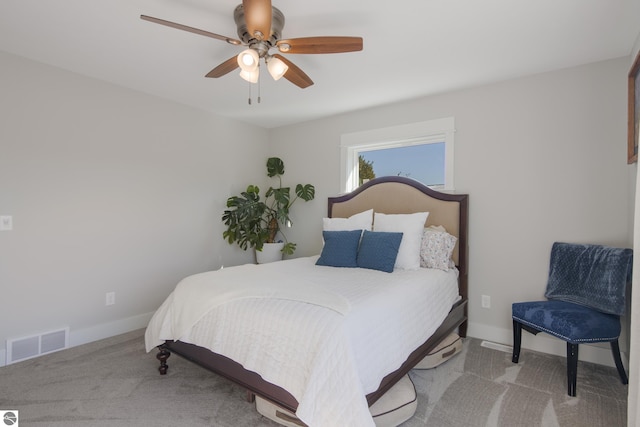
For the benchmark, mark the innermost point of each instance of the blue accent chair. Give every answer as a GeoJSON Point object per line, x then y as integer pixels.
{"type": "Point", "coordinates": [585, 299]}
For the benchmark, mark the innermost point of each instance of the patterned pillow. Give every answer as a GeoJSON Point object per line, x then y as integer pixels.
{"type": "Point", "coordinates": [436, 249]}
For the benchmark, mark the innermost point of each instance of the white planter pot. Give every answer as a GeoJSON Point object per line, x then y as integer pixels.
{"type": "Point", "coordinates": [270, 252]}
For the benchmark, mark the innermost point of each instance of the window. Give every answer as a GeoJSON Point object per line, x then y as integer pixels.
{"type": "Point", "coordinates": [422, 161]}
{"type": "Point", "coordinates": [422, 151]}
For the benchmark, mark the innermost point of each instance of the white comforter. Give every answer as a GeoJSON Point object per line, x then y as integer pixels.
{"type": "Point", "coordinates": [329, 340]}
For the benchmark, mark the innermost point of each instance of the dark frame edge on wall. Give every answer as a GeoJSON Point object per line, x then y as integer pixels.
{"type": "Point", "coordinates": [634, 112]}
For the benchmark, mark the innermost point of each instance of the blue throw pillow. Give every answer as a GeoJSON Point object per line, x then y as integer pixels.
{"type": "Point", "coordinates": [379, 250]}
{"type": "Point", "coordinates": [340, 248]}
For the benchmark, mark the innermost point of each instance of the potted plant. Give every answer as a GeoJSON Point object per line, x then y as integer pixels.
{"type": "Point", "coordinates": [254, 222]}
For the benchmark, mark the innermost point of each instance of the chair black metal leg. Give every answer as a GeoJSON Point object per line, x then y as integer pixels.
{"type": "Point", "coordinates": [572, 368]}
{"type": "Point", "coordinates": [517, 339]}
{"type": "Point", "coordinates": [615, 349]}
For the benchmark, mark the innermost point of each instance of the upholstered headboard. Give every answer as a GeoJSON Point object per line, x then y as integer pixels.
{"type": "Point", "coordinates": [393, 195]}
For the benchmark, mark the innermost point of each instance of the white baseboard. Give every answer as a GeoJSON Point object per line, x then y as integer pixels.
{"type": "Point", "coordinates": [106, 330]}
{"type": "Point", "coordinates": [599, 353]}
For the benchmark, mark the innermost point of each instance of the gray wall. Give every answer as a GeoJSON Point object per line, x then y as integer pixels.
{"type": "Point", "coordinates": [110, 190]}
{"type": "Point", "coordinates": [113, 190]}
{"type": "Point", "coordinates": [543, 158]}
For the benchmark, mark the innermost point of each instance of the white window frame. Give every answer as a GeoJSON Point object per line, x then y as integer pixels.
{"type": "Point", "coordinates": [431, 131]}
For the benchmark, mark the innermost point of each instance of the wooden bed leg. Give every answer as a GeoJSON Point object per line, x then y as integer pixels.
{"type": "Point", "coordinates": [462, 329]}
{"type": "Point", "coordinates": [162, 356]}
{"type": "Point", "coordinates": [250, 397]}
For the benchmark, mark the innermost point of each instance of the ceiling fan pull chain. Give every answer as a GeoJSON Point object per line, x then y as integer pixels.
{"type": "Point", "coordinates": [249, 93]}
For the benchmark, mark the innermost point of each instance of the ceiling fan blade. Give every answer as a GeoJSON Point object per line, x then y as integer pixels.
{"type": "Point", "coordinates": [325, 44]}
{"type": "Point", "coordinates": [191, 29]}
{"type": "Point", "coordinates": [294, 74]}
{"type": "Point", "coordinates": [226, 67]}
{"type": "Point", "coordinates": [257, 15]}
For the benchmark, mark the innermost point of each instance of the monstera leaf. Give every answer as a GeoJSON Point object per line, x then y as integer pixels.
{"type": "Point", "coordinates": [252, 222]}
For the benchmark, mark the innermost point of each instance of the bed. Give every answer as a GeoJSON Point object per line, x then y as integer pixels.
{"type": "Point", "coordinates": [205, 339]}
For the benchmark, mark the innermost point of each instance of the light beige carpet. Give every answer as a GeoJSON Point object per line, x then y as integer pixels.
{"type": "Point", "coordinates": [113, 382]}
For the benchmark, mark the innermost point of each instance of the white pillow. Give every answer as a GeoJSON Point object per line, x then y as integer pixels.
{"type": "Point", "coordinates": [359, 221]}
{"type": "Point", "coordinates": [411, 226]}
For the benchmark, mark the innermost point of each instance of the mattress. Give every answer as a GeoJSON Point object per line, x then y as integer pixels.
{"type": "Point", "coordinates": [327, 355]}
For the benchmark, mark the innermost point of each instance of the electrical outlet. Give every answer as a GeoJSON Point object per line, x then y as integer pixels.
{"type": "Point", "coordinates": [6, 223]}
{"type": "Point", "coordinates": [486, 301]}
{"type": "Point", "coordinates": [110, 298]}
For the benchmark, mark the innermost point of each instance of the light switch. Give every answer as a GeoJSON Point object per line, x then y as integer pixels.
{"type": "Point", "coordinates": [6, 223]}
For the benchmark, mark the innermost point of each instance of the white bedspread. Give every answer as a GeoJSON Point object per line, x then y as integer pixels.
{"type": "Point", "coordinates": [329, 341]}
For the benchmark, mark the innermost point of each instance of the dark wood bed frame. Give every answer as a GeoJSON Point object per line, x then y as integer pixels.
{"type": "Point", "coordinates": [389, 201]}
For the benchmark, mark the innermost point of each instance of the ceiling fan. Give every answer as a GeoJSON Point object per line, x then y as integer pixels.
{"type": "Point", "coordinates": [260, 28]}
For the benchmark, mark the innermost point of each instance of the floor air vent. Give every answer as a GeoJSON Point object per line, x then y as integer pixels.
{"type": "Point", "coordinates": [36, 345]}
{"type": "Point", "coordinates": [496, 346]}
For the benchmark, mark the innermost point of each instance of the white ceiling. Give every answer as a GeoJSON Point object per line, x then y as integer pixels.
{"type": "Point", "coordinates": [412, 48]}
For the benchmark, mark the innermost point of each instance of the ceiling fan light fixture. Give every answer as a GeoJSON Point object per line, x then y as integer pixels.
{"type": "Point", "coordinates": [277, 68]}
{"type": "Point", "coordinates": [284, 47]}
{"type": "Point", "coordinates": [259, 27]}
{"type": "Point", "coordinates": [250, 76]}
{"type": "Point", "coordinates": [248, 60]}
